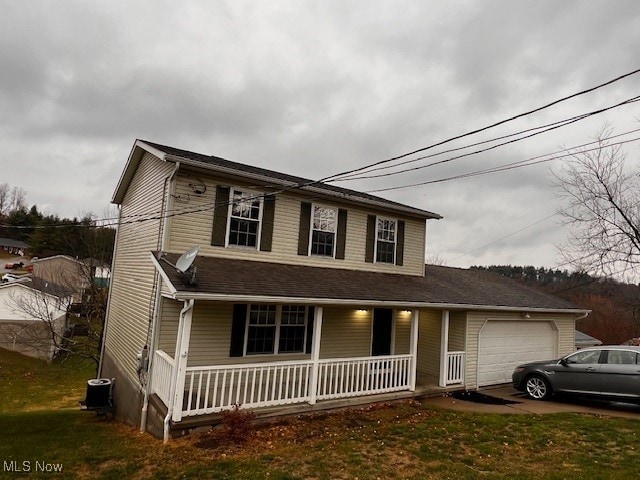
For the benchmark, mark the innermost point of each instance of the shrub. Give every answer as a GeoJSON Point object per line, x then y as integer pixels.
{"type": "Point", "coordinates": [237, 425]}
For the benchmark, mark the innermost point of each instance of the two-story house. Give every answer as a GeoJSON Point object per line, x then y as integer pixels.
{"type": "Point", "coordinates": [303, 294]}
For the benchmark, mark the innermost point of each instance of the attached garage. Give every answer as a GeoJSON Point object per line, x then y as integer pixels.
{"type": "Point", "coordinates": [503, 344]}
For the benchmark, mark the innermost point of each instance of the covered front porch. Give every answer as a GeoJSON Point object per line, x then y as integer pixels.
{"type": "Point", "coordinates": [188, 387]}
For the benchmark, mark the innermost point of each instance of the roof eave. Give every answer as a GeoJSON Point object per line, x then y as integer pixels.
{"type": "Point", "coordinates": [187, 295]}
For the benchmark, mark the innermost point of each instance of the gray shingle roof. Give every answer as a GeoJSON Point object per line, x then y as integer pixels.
{"type": "Point", "coordinates": [213, 161]}
{"type": "Point", "coordinates": [219, 277]}
{"type": "Point", "coordinates": [10, 242]}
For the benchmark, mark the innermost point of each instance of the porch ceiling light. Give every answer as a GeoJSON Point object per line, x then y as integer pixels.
{"type": "Point", "coordinates": [526, 315]}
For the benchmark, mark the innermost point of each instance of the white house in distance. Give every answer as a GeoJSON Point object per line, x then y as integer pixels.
{"type": "Point", "coordinates": [29, 317]}
{"type": "Point", "coordinates": [304, 296]}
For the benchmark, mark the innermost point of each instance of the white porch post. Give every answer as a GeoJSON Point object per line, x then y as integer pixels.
{"type": "Point", "coordinates": [315, 354]}
{"type": "Point", "coordinates": [182, 354]}
{"type": "Point", "coordinates": [444, 343]}
{"type": "Point", "coordinates": [413, 348]}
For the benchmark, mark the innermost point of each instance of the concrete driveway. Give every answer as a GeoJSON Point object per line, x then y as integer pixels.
{"type": "Point", "coordinates": [521, 404]}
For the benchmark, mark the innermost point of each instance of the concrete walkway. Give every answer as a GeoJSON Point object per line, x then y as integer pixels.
{"type": "Point", "coordinates": [526, 406]}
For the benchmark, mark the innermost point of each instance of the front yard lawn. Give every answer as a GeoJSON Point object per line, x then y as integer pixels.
{"type": "Point", "coordinates": [405, 440]}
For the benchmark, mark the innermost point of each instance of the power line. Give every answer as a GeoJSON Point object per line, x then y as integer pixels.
{"type": "Point", "coordinates": [113, 221]}
{"type": "Point", "coordinates": [506, 236]}
{"type": "Point", "coordinates": [508, 166]}
{"type": "Point", "coordinates": [208, 206]}
{"type": "Point", "coordinates": [553, 126]}
{"type": "Point", "coordinates": [482, 129]}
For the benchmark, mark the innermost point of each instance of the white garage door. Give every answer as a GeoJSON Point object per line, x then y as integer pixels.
{"type": "Point", "coordinates": [505, 344]}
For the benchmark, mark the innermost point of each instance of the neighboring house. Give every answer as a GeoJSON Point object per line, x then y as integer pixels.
{"type": "Point", "coordinates": [16, 247]}
{"type": "Point", "coordinates": [305, 294]}
{"type": "Point", "coordinates": [30, 314]}
{"type": "Point", "coordinates": [72, 273]}
{"type": "Point", "coordinates": [583, 340]}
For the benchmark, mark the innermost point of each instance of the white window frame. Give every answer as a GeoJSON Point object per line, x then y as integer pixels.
{"type": "Point", "coordinates": [278, 324]}
{"type": "Point", "coordinates": [395, 241]}
{"type": "Point", "coordinates": [229, 212]}
{"type": "Point", "coordinates": [311, 229]}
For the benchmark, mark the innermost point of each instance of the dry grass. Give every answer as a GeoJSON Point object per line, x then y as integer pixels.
{"type": "Point", "coordinates": [395, 441]}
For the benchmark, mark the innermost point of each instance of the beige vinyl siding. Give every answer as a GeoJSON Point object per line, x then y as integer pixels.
{"type": "Point", "coordinates": [563, 323]}
{"type": "Point", "coordinates": [345, 333]}
{"type": "Point", "coordinates": [168, 325]}
{"type": "Point", "coordinates": [429, 342]}
{"type": "Point", "coordinates": [195, 228]}
{"type": "Point", "coordinates": [133, 274]}
{"type": "Point", "coordinates": [64, 271]}
{"type": "Point", "coordinates": [457, 328]}
{"type": "Point", "coordinates": [402, 332]}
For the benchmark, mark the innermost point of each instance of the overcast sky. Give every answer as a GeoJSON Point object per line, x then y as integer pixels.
{"type": "Point", "coordinates": [313, 88]}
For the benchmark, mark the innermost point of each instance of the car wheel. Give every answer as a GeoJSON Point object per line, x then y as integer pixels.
{"type": "Point", "coordinates": [537, 387]}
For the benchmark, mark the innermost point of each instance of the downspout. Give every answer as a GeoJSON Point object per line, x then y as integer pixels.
{"type": "Point", "coordinates": [106, 314]}
{"type": "Point", "coordinates": [188, 305]}
{"type": "Point", "coordinates": [154, 330]}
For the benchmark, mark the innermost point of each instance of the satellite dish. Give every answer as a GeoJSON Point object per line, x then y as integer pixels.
{"type": "Point", "coordinates": [186, 260]}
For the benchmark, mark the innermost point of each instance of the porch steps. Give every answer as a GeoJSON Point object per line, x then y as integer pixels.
{"type": "Point", "coordinates": [190, 424]}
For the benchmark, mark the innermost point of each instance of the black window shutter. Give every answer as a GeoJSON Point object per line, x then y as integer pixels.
{"type": "Point", "coordinates": [341, 239]}
{"type": "Point", "coordinates": [310, 323]}
{"type": "Point", "coordinates": [400, 244]}
{"type": "Point", "coordinates": [237, 330]}
{"type": "Point", "coordinates": [268, 213]}
{"type": "Point", "coordinates": [220, 211]}
{"type": "Point", "coordinates": [305, 225]}
{"type": "Point", "coordinates": [371, 239]}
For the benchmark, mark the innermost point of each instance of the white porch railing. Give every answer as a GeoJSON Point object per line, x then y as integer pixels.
{"type": "Point", "coordinates": [216, 388]}
{"type": "Point", "coordinates": [455, 367]}
{"type": "Point", "coordinates": [350, 377]}
{"type": "Point", "coordinates": [161, 375]}
{"type": "Point", "coordinates": [212, 389]}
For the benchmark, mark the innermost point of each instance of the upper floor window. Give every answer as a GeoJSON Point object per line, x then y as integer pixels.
{"type": "Point", "coordinates": [323, 231]}
{"type": "Point", "coordinates": [386, 240]}
{"type": "Point", "coordinates": [245, 212]}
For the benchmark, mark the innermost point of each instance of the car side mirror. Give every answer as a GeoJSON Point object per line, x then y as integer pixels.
{"type": "Point", "coordinates": [563, 362]}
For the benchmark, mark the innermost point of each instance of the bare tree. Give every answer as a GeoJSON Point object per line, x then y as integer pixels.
{"type": "Point", "coordinates": [66, 310]}
{"type": "Point", "coordinates": [4, 199]}
{"type": "Point", "coordinates": [81, 280]}
{"type": "Point", "coordinates": [435, 259]}
{"type": "Point", "coordinates": [18, 199]}
{"type": "Point", "coordinates": [602, 209]}
{"type": "Point", "coordinates": [39, 329]}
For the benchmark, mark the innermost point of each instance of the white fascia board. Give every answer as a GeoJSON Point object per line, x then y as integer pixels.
{"type": "Point", "coordinates": [44, 259]}
{"type": "Point", "coordinates": [130, 168]}
{"type": "Point", "coordinates": [363, 303]}
{"type": "Point", "coordinates": [310, 188]}
{"type": "Point", "coordinates": [172, 288]}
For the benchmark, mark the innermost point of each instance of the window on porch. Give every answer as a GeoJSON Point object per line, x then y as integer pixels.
{"type": "Point", "coordinates": [272, 329]}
